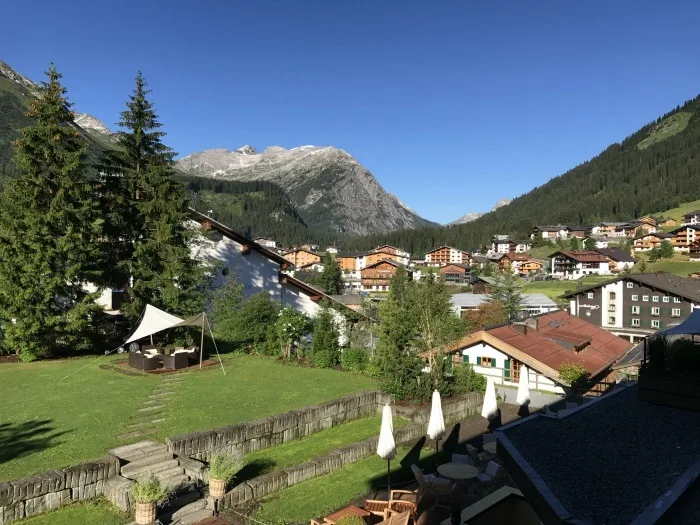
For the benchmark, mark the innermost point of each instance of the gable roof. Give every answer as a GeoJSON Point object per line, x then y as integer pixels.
{"type": "Point", "coordinates": [695, 227]}
{"type": "Point", "coordinates": [392, 262]}
{"type": "Point", "coordinates": [458, 265]}
{"type": "Point", "coordinates": [548, 341]}
{"type": "Point", "coordinates": [550, 228]}
{"type": "Point", "coordinates": [350, 254]}
{"type": "Point", "coordinates": [667, 282]}
{"type": "Point", "coordinates": [582, 255]}
{"type": "Point", "coordinates": [660, 235]}
{"type": "Point", "coordinates": [516, 256]}
{"type": "Point", "coordinates": [616, 254]}
{"type": "Point", "coordinates": [692, 214]}
{"type": "Point", "coordinates": [301, 250]}
{"type": "Point", "coordinates": [445, 246]}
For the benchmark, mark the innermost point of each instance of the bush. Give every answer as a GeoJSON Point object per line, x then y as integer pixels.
{"type": "Point", "coordinates": [657, 346]}
{"type": "Point", "coordinates": [683, 357]}
{"type": "Point", "coordinates": [354, 359]}
{"type": "Point", "coordinates": [149, 491]}
{"type": "Point", "coordinates": [467, 380]}
{"type": "Point", "coordinates": [373, 369]}
{"type": "Point", "coordinates": [325, 348]}
{"type": "Point", "coordinates": [225, 466]}
{"type": "Point", "coordinates": [574, 375]}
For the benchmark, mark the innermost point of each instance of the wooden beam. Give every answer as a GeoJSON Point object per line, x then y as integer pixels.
{"type": "Point", "coordinates": [245, 249]}
{"type": "Point", "coordinates": [315, 298]}
{"type": "Point", "coordinates": [284, 266]}
{"type": "Point", "coordinates": [282, 279]}
{"type": "Point", "coordinates": [206, 225]}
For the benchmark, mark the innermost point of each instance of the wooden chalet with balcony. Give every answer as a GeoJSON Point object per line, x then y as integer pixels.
{"type": "Point", "coordinates": [512, 262]}
{"type": "Point", "coordinates": [376, 277]}
{"type": "Point", "coordinates": [302, 257]}
{"type": "Point", "coordinates": [691, 218]}
{"type": "Point", "coordinates": [684, 236]}
{"type": "Point", "coordinates": [455, 273]}
{"type": "Point", "coordinates": [579, 263]}
{"type": "Point", "coordinates": [446, 255]}
{"type": "Point", "coordinates": [386, 252]}
{"type": "Point", "coordinates": [648, 241]}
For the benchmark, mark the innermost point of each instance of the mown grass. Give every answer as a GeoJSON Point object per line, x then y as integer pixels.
{"type": "Point", "coordinates": [678, 264]}
{"type": "Point", "coordinates": [666, 128]}
{"type": "Point", "coordinates": [554, 289]}
{"type": "Point", "coordinates": [48, 423]}
{"type": "Point", "coordinates": [678, 212]}
{"type": "Point", "coordinates": [97, 511]}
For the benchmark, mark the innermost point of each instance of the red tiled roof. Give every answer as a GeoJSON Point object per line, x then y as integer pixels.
{"type": "Point", "coordinates": [584, 256]}
{"type": "Point", "coordinates": [516, 256]}
{"type": "Point", "coordinates": [600, 347]}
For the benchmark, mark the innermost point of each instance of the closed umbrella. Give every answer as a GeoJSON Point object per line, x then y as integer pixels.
{"type": "Point", "coordinates": [386, 447]}
{"type": "Point", "coordinates": [436, 425]}
{"type": "Point", "coordinates": [490, 408]}
{"type": "Point", "coordinates": [523, 397]}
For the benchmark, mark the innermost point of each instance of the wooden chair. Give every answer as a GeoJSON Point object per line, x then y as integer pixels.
{"type": "Point", "coordinates": [381, 507]}
{"type": "Point", "coordinates": [397, 518]}
{"type": "Point", "coordinates": [314, 522]}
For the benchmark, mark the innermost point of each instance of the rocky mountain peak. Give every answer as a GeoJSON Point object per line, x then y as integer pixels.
{"type": "Point", "coordinates": [472, 216]}
{"type": "Point", "coordinates": [90, 123]}
{"type": "Point", "coordinates": [9, 73]}
{"type": "Point", "coordinates": [247, 150]}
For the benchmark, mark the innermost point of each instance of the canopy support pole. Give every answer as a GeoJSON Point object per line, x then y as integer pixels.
{"type": "Point", "coordinates": [215, 345]}
{"type": "Point", "coordinates": [201, 346]}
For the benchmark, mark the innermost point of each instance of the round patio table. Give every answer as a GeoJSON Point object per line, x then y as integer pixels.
{"type": "Point", "coordinates": [490, 447]}
{"type": "Point", "coordinates": [458, 471]}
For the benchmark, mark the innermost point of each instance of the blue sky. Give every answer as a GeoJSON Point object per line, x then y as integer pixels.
{"type": "Point", "coordinates": [451, 105]}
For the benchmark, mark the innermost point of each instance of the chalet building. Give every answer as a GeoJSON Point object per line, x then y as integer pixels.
{"type": "Point", "coordinates": [576, 231]}
{"type": "Point", "coordinates": [648, 241]}
{"type": "Point", "coordinates": [550, 233]}
{"type": "Point", "coordinates": [691, 218]}
{"type": "Point", "coordinates": [646, 224]}
{"type": "Point", "coordinates": [600, 240]}
{"type": "Point", "coordinates": [520, 246]}
{"type": "Point", "coordinates": [266, 242]}
{"type": "Point", "coordinates": [387, 252]}
{"type": "Point", "coordinates": [500, 246]}
{"type": "Point", "coordinates": [573, 265]}
{"type": "Point", "coordinates": [377, 276]}
{"type": "Point", "coordinates": [512, 262]}
{"type": "Point", "coordinates": [636, 305]}
{"type": "Point", "coordinates": [666, 222]}
{"type": "Point", "coordinates": [446, 255]}
{"type": "Point", "coordinates": [455, 273]}
{"type": "Point", "coordinates": [609, 229]}
{"type": "Point", "coordinates": [684, 236]}
{"type": "Point", "coordinates": [481, 284]}
{"type": "Point", "coordinates": [531, 303]}
{"type": "Point", "coordinates": [542, 343]}
{"type": "Point", "coordinates": [301, 257]}
{"type": "Point", "coordinates": [332, 250]}
{"type": "Point", "coordinates": [694, 251]}
{"type": "Point", "coordinates": [350, 261]}
{"type": "Point", "coordinates": [619, 259]}
{"type": "Point", "coordinates": [531, 266]}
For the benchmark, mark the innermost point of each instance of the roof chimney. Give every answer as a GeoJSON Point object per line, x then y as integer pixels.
{"type": "Point", "coordinates": [520, 327]}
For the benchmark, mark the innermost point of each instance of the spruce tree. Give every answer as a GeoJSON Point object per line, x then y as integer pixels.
{"type": "Point", "coordinates": [50, 227]}
{"type": "Point", "coordinates": [147, 220]}
{"type": "Point", "coordinates": [507, 290]}
{"type": "Point", "coordinates": [332, 276]}
{"type": "Point", "coordinates": [325, 348]}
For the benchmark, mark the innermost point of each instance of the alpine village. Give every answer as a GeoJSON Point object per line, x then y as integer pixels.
{"type": "Point", "coordinates": [268, 336]}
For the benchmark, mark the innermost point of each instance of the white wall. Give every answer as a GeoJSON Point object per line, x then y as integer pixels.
{"type": "Point", "coordinates": [606, 302]}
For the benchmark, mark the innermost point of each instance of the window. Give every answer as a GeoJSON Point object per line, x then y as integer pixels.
{"type": "Point", "coordinates": [666, 299]}
{"type": "Point", "coordinates": [611, 308]}
{"type": "Point", "coordinates": [655, 323]}
{"type": "Point", "coordinates": [630, 285]}
{"type": "Point", "coordinates": [612, 296]}
{"type": "Point", "coordinates": [635, 298]}
{"type": "Point", "coordinates": [635, 322]}
{"type": "Point", "coordinates": [655, 298]}
{"type": "Point", "coordinates": [675, 312]}
{"type": "Point", "coordinates": [611, 320]}
{"type": "Point", "coordinates": [515, 369]}
{"type": "Point", "coordinates": [635, 309]}
{"type": "Point", "coordinates": [676, 299]}
{"type": "Point", "coordinates": [486, 361]}
{"type": "Point", "coordinates": [656, 310]}
{"type": "Point", "coordinates": [645, 297]}
{"type": "Point", "coordinates": [591, 295]}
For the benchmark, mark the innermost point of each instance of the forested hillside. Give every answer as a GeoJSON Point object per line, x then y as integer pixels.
{"type": "Point", "coordinates": [655, 168]}
{"type": "Point", "coordinates": [254, 208]}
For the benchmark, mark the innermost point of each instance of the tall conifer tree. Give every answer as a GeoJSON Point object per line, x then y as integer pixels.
{"type": "Point", "coordinates": [148, 215]}
{"type": "Point", "coordinates": [50, 227]}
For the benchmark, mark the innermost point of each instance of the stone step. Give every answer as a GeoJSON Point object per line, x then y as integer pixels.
{"type": "Point", "coordinates": [191, 508]}
{"type": "Point", "coordinates": [157, 420]}
{"type": "Point", "coordinates": [151, 459]}
{"type": "Point", "coordinates": [138, 425]}
{"type": "Point", "coordinates": [143, 452]}
{"type": "Point", "coordinates": [154, 402]}
{"type": "Point", "coordinates": [194, 517]}
{"type": "Point", "coordinates": [164, 396]}
{"type": "Point", "coordinates": [117, 490]}
{"type": "Point", "coordinates": [175, 471]}
{"type": "Point", "coordinates": [178, 483]}
{"type": "Point", "coordinates": [123, 452]}
{"type": "Point", "coordinates": [151, 408]}
{"type": "Point", "coordinates": [146, 416]}
{"type": "Point", "coordinates": [181, 499]}
{"type": "Point", "coordinates": [145, 472]}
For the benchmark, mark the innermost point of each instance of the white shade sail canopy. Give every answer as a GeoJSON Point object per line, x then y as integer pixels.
{"type": "Point", "coordinates": [386, 447]}
{"type": "Point", "coordinates": [436, 425]}
{"type": "Point", "coordinates": [523, 396]}
{"type": "Point", "coordinates": [490, 408]}
{"type": "Point", "coordinates": [156, 320]}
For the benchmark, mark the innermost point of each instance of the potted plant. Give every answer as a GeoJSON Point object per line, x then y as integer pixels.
{"type": "Point", "coordinates": [222, 469]}
{"type": "Point", "coordinates": [147, 494]}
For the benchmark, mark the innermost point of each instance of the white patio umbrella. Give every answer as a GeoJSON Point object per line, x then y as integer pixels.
{"type": "Point", "coordinates": [436, 425]}
{"type": "Point", "coordinates": [490, 408]}
{"type": "Point", "coordinates": [386, 447]}
{"type": "Point", "coordinates": [523, 397]}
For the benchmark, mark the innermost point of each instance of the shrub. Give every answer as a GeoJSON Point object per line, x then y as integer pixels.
{"type": "Point", "coordinates": [683, 357]}
{"type": "Point", "coordinates": [325, 348]}
{"type": "Point", "coordinates": [373, 369]}
{"type": "Point", "coordinates": [574, 375]}
{"type": "Point", "coordinates": [467, 380]}
{"type": "Point", "coordinates": [354, 359]}
{"type": "Point", "coordinates": [351, 520]}
{"type": "Point", "coordinates": [149, 490]}
{"type": "Point", "coordinates": [225, 466]}
{"type": "Point", "coordinates": [657, 347]}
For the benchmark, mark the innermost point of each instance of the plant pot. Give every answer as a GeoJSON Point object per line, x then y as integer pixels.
{"type": "Point", "coordinates": [217, 488]}
{"type": "Point", "coordinates": [145, 513]}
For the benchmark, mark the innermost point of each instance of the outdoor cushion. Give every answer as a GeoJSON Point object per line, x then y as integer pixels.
{"type": "Point", "coordinates": [182, 351]}
{"type": "Point", "coordinates": [151, 351]}
{"type": "Point", "coordinates": [492, 468]}
{"type": "Point", "coordinates": [462, 459]}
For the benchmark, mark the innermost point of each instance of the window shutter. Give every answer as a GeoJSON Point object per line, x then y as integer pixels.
{"type": "Point", "coordinates": [661, 325]}
{"type": "Point", "coordinates": [493, 362]}
{"type": "Point", "coordinates": [478, 360]}
{"type": "Point", "coordinates": [681, 312]}
{"type": "Point", "coordinates": [506, 369]}
{"type": "Point", "coordinates": [465, 358]}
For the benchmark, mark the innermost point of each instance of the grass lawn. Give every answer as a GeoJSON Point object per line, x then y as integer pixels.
{"type": "Point", "coordinates": [48, 423]}
{"type": "Point", "coordinates": [553, 289]}
{"type": "Point", "coordinates": [678, 212]}
{"type": "Point", "coordinates": [300, 451]}
{"type": "Point", "coordinates": [320, 496]}
{"type": "Point", "coordinates": [93, 511]}
{"type": "Point", "coordinates": [678, 264]}
{"type": "Point", "coordinates": [543, 252]}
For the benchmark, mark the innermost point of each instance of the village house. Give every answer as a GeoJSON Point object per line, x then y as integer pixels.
{"type": "Point", "coordinates": [387, 252]}
{"type": "Point", "coordinates": [332, 250]}
{"type": "Point", "coordinates": [350, 261]}
{"type": "Point", "coordinates": [600, 240]}
{"type": "Point", "coordinates": [301, 257]}
{"type": "Point", "coordinates": [455, 273]}
{"type": "Point", "coordinates": [666, 222]}
{"type": "Point", "coordinates": [609, 229]}
{"type": "Point", "coordinates": [519, 246]}
{"type": "Point", "coordinates": [550, 233]}
{"type": "Point", "coordinates": [500, 246]}
{"type": "Point", "coordinates": [543, 343]}
{"type": "Point", "coordinates": [377, 276]}
{"type": "Point", "coordinates": [310, 247]}
{"type": "Point", "coordinates": [446, 255]}
{"type": "Point", "coordinates": [636, 305]}
{"type": "Point", "coordinates": [619, 259]}
{"type": "Point", "coordinates": [691, 218]}
{"type": "Point", "coordinates": [684, 236]}
{"type": "Point", "coordinates": [531, 303]}
{"type": "Point", "coordinates": [576, 231]}
{"type": "Point", "coordinates": [512, 262]}
{"type": "Point", "coordinates": [694, 251]}
{"type": "Point", "coordinates": [573, 265]}
{"type": "Point", "coordinates": [648, 241]}
{"type": "Point", "coordinates": [266, 242]}
{"type": "Point", "coordinates": [531, 266]}
{"type": "Point", "coordinates": [646, 224]}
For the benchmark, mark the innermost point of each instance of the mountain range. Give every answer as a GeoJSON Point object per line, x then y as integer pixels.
{"type": "Point", "coordinates": [474, 215]}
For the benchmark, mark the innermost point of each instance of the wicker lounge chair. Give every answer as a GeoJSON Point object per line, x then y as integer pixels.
{"type": "Point", "coordinates": [176, 361]}
{"type": "Point", "coordinates": [143, 362]}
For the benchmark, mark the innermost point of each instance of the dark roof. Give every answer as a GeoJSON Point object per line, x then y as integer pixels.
{"type": "Point", "coordinates": [582, 255]}
{"type": "Point", "coordinates": [550, 228]}
{"type": "Point", "coordinates": [444, 246]}
{"type": "Point", "coordinates": [661, 235]}
{"type": "Point", "coordinates": [302, 250]}
{"type": "Point", "coordinates": [691, 214]}
{"type": "Point", "coordinates": [608, 461]}
{"type": "Point", "coordinates": [348, 299]}
{"type": "Point", "coordinates": [577, 228]}
{"type": "Point", "coordinates": [477, 257]}
{"type": "Point", "coordinates": [695, 227]}
{"type": "Point", "coordinates": [392, 262]}
{"type": "Point", "coordinates": [616, 254]}
{"type": "Point", "coordinates": [350, 254]}
{"type": "Point", "coordinates": [459, 265]}
{"type": "Point", "coordinates": [668, 282]}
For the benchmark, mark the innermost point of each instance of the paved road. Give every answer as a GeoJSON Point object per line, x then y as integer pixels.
{"type": "Point", "coordinates": [537, 399]}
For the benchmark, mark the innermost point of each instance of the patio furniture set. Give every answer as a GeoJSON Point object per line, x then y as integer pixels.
{"type": "Point", "coordinates": [463, 474]}
{"type": "Point", "coordinates": [149, 357]}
